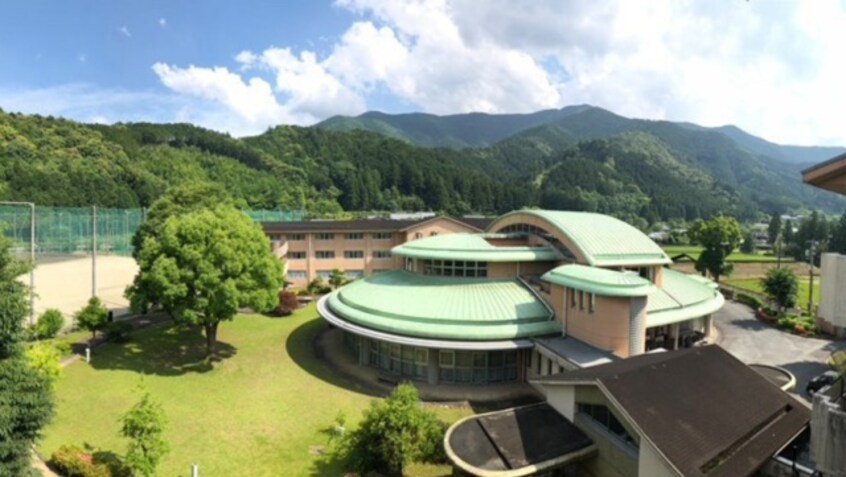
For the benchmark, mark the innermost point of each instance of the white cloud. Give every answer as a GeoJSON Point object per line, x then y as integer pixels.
{"type": "Point", "coordinates": [162, 23]}
{"type": "Point", "coordinates": [125, 31]}
{"type": "Point", "coordinates": [769, 68]}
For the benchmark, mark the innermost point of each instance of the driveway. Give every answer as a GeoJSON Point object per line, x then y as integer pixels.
{"type": "Point", "coordinates": [752, 341]}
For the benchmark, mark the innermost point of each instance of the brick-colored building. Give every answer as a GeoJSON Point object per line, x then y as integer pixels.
{"type": "Point", "coordinates": [362, 247]}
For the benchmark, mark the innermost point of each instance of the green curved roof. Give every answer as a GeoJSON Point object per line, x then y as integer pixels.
{"type": "Point", "coordinates": [603, 240]}
{"type": "Point", "coordinates": [473, 247]}
{"type": "Point", "coordinates": [681, 298]}
{"type": "Point", "coordinates": [465, 309]}
{"type": "Point", "coordinates": [599, 280]}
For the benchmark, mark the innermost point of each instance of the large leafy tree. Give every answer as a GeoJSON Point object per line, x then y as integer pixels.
{"type": "Point", "coordinates": [394, 433]}
{"type": "Point", "coordinates": [26, 400]}
{"type": "Point", "coordinates": [838, 236]}
{"type": "Point", "coordinates": [719, 236]}
{"type": "Point", "coordinates": [781, 286]}
{"type": "Point", "coordinates": [205, 265]}
{"type": "Point", "coordinates": [176, 201]}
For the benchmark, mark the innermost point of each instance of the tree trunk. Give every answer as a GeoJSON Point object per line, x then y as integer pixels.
{"type": "Point", "coordinates": [211, 339]}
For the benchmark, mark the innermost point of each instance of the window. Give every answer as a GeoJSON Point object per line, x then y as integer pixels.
{"type": "Point", "coordinates": [383, 235]}
{"type": "Point", "coordinates": [324, 236]}
{"type": "Point", "coordinates": [296, 237]}
{"type": "Point", "coordinates": [353, 254]}
{"type": "Point", "coordinates": [381, 254]}
{"type": "Point", "coordinates": [409, 264]}
{"type": "Point", "coordinates": [592, 303]}
{"type": "Point", "coordinates": [324, 274]}
{"type": "Point", "coordinates": [297, 275]}
{"type": "Point", "coordinates": [418, 235]}
{"type": "Point", "coordinates": [354, 274]}
{"type": "Point", "coordinates": [581, 300]}
{"type": "Point", "coordinates": [324, 254]}
{"type": "Point", "coordinates": [296, 255]}
{"type": "Point", "coordinates": [455, 268]}
{"type": "Point", "coordinates": [354, 236]}
{"type": "Point", "coordinates": [572, 298]}
{"type": "Point", "coordinates": [477, 367]}
{"type": "Point", "coordinates": [601, 416]}
{"type": "Point", "coordinates": [433, 234]}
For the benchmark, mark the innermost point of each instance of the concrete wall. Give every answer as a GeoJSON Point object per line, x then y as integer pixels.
{"type": "Point", "coordinates": [651, 464]}
{"type": "Point", "coordinates": [562, 399]}
{"type": "Point", "coordinates": [832, 309]}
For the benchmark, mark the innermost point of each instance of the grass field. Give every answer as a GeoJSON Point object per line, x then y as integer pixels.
{"type": "Point", "coordinates": [694, 251]}
{"type": "Point", "coordinates": [754, 285]}
{"type": "Point", "coordinates": [259, 412]}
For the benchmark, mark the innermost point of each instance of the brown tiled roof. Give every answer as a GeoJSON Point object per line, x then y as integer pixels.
{"type": "Point", "coordinates": [705, 411]}
{"type": "Point", "coordinates": [362, 225]}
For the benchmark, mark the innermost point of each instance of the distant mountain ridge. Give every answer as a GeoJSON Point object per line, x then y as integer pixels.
{"type": "Point", "coordinates": [478, 130]}
{"type": "Point", "coordinates": [455, 131]}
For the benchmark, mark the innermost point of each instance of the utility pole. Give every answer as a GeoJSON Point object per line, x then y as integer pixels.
{"type": "Point", "coordinates": [93, 251]}
{"type": "Point", "coordinates": [811, 276]}
{"type": "Point", "coordinates": [778, 250]}
{"type": "Point", "coordinates": [31, 206]}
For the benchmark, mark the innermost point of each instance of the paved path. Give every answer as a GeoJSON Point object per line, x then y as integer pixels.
{"type": "Point", "coordinates": [755, 342]}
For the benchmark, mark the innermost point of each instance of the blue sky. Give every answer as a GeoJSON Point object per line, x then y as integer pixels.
{"type": "Point", "coordinates": [771, 68]}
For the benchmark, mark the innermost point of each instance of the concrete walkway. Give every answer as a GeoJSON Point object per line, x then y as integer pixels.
{"type": "Point", "coordinates": [752, 341]}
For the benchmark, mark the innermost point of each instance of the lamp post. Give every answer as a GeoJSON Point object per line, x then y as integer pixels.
{"type": "Point", "coordinates": [31, 206]}
{"type": "Point", "coordinates": [813, 243]}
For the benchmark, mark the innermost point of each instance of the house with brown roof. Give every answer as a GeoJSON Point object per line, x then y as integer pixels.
{"type": "Point", "coordinates": [694, 412]}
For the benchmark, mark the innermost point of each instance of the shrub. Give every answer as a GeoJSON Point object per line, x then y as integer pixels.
{"type": "Point", "coordinates": [287, 303]}
{"type": "Point", "coordinates": [71, 461]}
{"type": "Point", "coordinates": [394, 433]}
{"type": "Point", "coordinates": [44, 357]}
{"type": "Point", "coordinates": [318, 287]}
{"type": "Point", "coordinates": [749, 300]}
{"type": "Point", "coordinates": [798, 324]}
{"type": "Point", "coordinates": [118, 331]}
{"type": "Point", "coordinates": [49, 324]}
{"type": "Point", "coordinates": [93, 316]}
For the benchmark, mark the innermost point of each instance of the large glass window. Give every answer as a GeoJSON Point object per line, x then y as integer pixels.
{"type": "Point", "coordinates": [455, 268]}
{"type": "Point", "coordinates": [600, 415]}
{"type": "Point", "coordinates": [383, 235]}
{"type": "Point", "coordinates": [296, 275]}
{"type": "Point", "coordinates": [477, 367]}
{"type": "Point", "coordinates": [397, 359]}
{"type": "Point", "coordinates": [325, 236]}
{"type": "Point", "coordinates": [381, 254]}
{"type": "Point", "coordinates": [296, 237]}
{"type": "Point", "coordinates": [324, 254]}
{"type": "Point", "coordinates": [353, 254]}
{"type": "Point", "coordinates": [354, 236]}
{"type": "Point", "coordinates": [296, 255]}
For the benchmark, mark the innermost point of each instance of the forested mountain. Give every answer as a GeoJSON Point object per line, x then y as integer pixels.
{"type": "Point", "coordinates": [586, 159]}
{"type": "Point", "coordinates": [456, 131]}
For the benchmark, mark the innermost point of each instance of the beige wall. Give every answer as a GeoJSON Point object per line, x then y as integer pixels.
{"type": "Point", "coordinates": [607, 328]}
{"type": "Point", "coordinates": [312, 265]}
{"type": "Point", "coordinates": [832, 306]}
{"type": "Point", "coordinates": [502, 270]}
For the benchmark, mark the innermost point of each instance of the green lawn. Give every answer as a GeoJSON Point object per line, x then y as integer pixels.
{"type": "Point", "coordinates": [695, 250]}
{"type": "Point", "coordinates": [754, 285]}
{"type": "Point", "coordinates": [258, 412]}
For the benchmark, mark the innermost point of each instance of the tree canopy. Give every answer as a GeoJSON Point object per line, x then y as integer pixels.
{"type": "Point", "coordinates": [205, 265]}
{"type": "Point", "coordinates": [718, 236]}
{"type": "Point", "coordinates": [781, 286]}
{"type": "Point", "coordinates": [26, 400]}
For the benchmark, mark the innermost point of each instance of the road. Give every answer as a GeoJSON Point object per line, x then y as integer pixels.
{"type": "Point", "coordinates": [752, 341]}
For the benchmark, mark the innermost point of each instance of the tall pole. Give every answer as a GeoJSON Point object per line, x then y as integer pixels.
{"type": "Point", "coordinates": [778, 251]}
{"type": "Point", "coordinates": [93, 251]}
{"type": "Point", "coordinates": [31, 206]}
{"type": "Point", "coordinates": [811, 275]}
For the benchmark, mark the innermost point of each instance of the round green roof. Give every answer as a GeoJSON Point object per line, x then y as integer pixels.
{"type": "Point", "coordinates": [464, 309]}
{"type": "Point", "coordinates": [599, 280]}
{"type": "Point", "coordinates": [603, 240]}
{"type": "Point", "coordinates": [471, 247]}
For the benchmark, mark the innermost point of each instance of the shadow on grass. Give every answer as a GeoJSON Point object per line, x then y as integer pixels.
{"type": "Point", "coordinates": [303, 349]}
{"type": "Point", "coordinates": [163, 350]}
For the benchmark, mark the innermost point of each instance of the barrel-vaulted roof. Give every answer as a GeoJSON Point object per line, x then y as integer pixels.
{"type": "Point", "coordinates": [472, 247]}
{"type": "Point", "coordinates": [448, 308]}
{"type": "Point", "coordinates": [681, 297]}
{"type": "Point", "coordinates": [601, 281]}
{"type": "Point", "coordinates": [603, 240]}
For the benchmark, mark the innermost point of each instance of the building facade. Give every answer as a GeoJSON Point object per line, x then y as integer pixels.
{"type": "Point", "coordinates": [831, 313]}
{"type": "Point", "coordinates": [539, 291]}
{"type": "Point", "coordinates": [312, 249]}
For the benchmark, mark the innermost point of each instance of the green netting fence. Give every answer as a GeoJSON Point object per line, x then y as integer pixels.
{"type": "Point", "coordinates": [69, 230]}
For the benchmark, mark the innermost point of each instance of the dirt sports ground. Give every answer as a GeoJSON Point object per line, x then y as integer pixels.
{"type": "Point", "coordinates": [64, 282]}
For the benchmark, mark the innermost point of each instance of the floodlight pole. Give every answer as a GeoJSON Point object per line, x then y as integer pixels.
{"type": "Point", "coordinates": [93, 251]}
{"type": "Point", "coordinates": [31, 206]}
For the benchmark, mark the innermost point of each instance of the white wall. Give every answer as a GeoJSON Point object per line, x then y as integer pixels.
{"type": "Point", "coordinates": [832, 301]}
{"type": "Point", "coordinates": [562, 399]}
